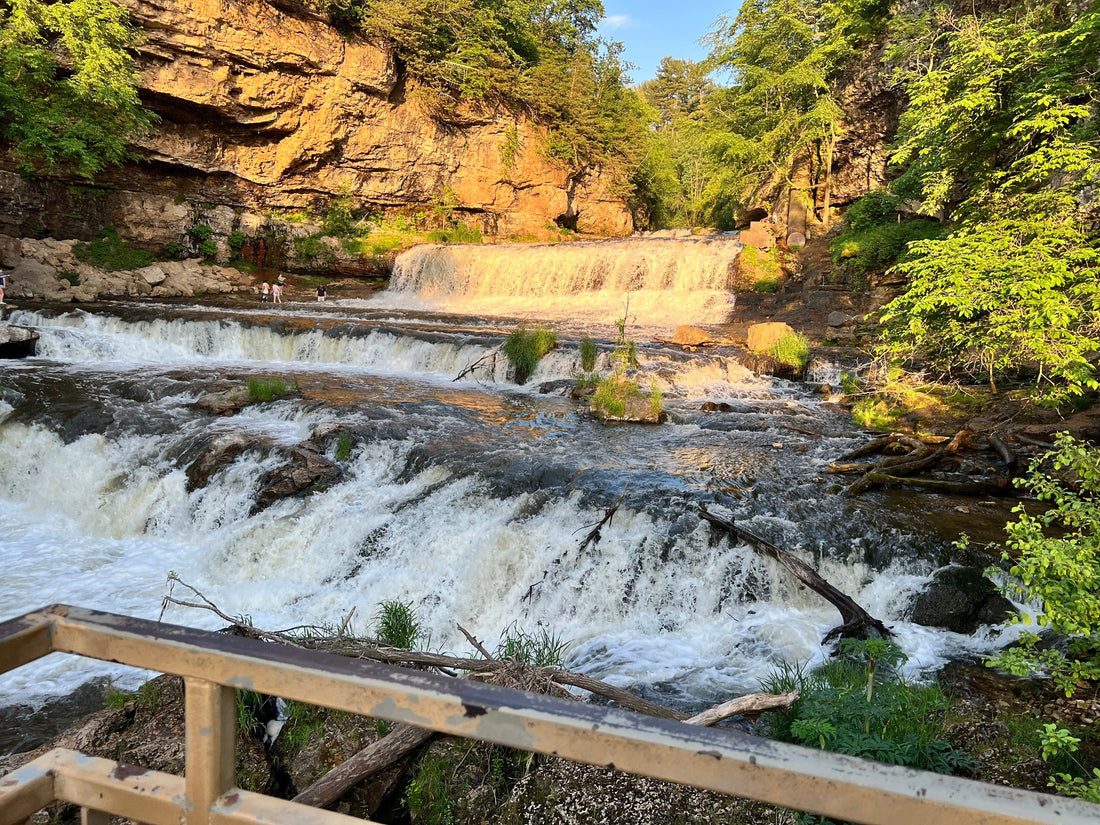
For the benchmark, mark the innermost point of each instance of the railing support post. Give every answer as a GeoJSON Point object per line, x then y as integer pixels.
{"type": "Point", "coordinates": [90, 816]}
{"type": "Point", "coordinates": [211, 746]}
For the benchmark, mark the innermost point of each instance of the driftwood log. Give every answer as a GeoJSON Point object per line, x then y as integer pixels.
{"type": "Point", "coordinates": [857, 623]}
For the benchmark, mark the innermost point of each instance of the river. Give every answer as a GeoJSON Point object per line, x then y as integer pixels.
{"type": "Point", "coordinates": [468, 498]}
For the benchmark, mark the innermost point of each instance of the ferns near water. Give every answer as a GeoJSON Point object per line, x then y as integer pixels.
{"type": "Point", "coordinates": [857, 704]}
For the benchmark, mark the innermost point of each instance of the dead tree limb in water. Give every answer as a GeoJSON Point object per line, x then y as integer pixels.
{"type": "Point", "coordinates": [857, 622]}
{"type": "Point", "coordinates": [593, 535]}
{"type": "Point", "coordinates": [404, 738]}
{"type": "Point", "coordinates": [999, 487]}
{"type": "Point", "coordinates": [490, 357]}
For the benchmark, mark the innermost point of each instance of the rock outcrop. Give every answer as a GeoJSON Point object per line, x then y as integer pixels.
{"type": "Point", "coordinates": [50, 270]}
{"type": "Point", "coordinates": [17, 342]}
{"type": "Point", "coordinates": [268, 107]}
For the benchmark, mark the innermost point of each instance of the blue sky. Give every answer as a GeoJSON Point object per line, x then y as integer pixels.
{"type": "Point", "coordinates": [652, 29]}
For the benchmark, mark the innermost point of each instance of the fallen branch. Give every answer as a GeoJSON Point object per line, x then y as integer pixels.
{"type": "Point", "coordinates": [750, 706]}
{"type": "Point", "coordinates": [1006, 454]}
{"type": "Point", "coordinates": [491, 355]}
{"type": "Point", "coordinates": [1000, 487]}
{"type": "Point", "coordinates": [380, 754]}
{"type": "Point", "coordinates": [594, 534]}
{"type": "Point", "coordinates": [857, 622]}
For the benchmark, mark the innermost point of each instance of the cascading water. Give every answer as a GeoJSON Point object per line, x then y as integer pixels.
{"type": "Point", "coordinates": [668, 281]}
{"type": "Point", "coordinates": [467, 498]}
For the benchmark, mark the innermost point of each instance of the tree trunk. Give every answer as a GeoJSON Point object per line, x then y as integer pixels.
{"type": "Point", "coordinates": [857, 622]}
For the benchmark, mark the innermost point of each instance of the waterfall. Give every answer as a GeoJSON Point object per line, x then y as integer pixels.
{"type": "Point", "coordinates": [668, 280]}
{"type": "Point", "coordinates": [466, 499]}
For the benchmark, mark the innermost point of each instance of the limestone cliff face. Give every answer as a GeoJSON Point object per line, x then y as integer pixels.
{"type": "Point", "coordinates": [264, 108]}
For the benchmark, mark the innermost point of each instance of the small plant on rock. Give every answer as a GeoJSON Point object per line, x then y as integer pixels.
{"type": "Point", "coordinates": [793, 349]}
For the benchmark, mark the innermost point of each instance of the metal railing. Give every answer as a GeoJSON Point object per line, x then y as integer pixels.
{"type": "Point", "coordinates": [214, 665]}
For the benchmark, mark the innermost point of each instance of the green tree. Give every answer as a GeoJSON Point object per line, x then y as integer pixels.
{"type": "Point", "coordinates": [1001, 136]}
{"type": "Point", "coordinates": [1054, 557]}
{"type": "Point", "coordinates": [786, 59]}
{"type": "Point", "coordinates": [68, 88]}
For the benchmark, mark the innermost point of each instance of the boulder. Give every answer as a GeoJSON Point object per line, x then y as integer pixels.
{"type": "Point", "coordinates": [762, 337]}
{"type": "Point", "coordinates": [17, 342]}
{"type": "Point", "coordinates": [221, 452]}
{"type": "Point", "coordinates": [308, 470]}
{"type": "Point", "coordinates": [689, 336]}
{"type": "Point", "coordinates": [838, 319]}
{"type": "Point", "coordinates": [960, 599]}
{"type": "Point", "coordinates": [759, 234]}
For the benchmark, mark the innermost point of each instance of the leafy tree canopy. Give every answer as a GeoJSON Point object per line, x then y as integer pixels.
{"type": "Point", "coordinates": [68, 89]}
{"type": "Point", "coordinates": [1002, 135]}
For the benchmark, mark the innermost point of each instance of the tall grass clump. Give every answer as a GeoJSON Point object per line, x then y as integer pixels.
{"type": "Point", "coordinates": [396, 624]}
{"type": "Point", "coordinates": [524, 349]}
{"type": "Point", "coordinates": [793, 349]}
{"type": "Point", "coordinates": [543, 648]}
{"type": "Point", "coordinates": [588, 354]}
{"type": "Point", "coordinates": [267, 389]}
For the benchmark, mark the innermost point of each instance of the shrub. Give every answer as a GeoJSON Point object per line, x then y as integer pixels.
{"type": "Point", "coordinates": [396, 625]}
{"type": "Point", "coordinates": [110, 252]}
{"type": "Point", "coordinates": [878, 248]}
{"type": "Point", "coordinates": [857, 704]}
{"type": "Point", "coordinates": [1055, 557]}
{"type": "Point", "coordinates": [69, 275]}
{"type": "Point", "coordinates": [873, 209]}
{"type": "Point", "coordinates": [310, 246]}
{"type": "Point", "coordinates": [525, 348]}
{"type": "Point", "coordinates": [458, 234]}
{"type": "Point", "coordinates": [236, 242]}
{"type": "Point", "coordinates": [759, 270]}
{"type": "Point", "coordinates": [173, 251]}
{"type": "Point", "coordinates": [793, 349]}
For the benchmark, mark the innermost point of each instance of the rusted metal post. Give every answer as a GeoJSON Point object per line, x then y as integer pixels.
{"type": "Point", "coordinates": [211, 746]}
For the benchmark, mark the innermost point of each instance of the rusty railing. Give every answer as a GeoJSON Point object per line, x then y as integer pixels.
{"type": "Point", "coordinates": [214, 665]}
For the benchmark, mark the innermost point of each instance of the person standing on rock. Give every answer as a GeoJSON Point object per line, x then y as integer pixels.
{"type": "Point", "coordinates": [265, 291]}
{"type": "Point", "coordinates": [277, 292]}
{"type": "Point", "coordinates": [3, 283]}
{"type": "Point", "coordinates": [321, 293]}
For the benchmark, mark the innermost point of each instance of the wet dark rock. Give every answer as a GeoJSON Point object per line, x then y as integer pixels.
{"type": "Point", "coordinates": [12, 397]}
{"type": "Point", "coordinates": [763, 364]}
{"type": "Point", "coordinates": [307, 471]}
{"type": "Point", "coordinates": [222, 451]}
{"type": "Point", "coordinates": [960, 599]}
{"type": "Point", "coordinates": [17, 342]}
{"type": "Point", "coordinates": [722, 406]}
{"type": "Point", "coordinates": [559, 386]}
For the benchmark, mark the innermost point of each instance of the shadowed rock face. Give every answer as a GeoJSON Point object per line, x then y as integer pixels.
{"type": "Point", "coordinates": [267, 108]}
{"type": "Point", "coordinates": [17, 342]}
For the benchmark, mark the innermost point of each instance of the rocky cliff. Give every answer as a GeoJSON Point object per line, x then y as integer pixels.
{"type": "Point", "coordinates": [268, 108]}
